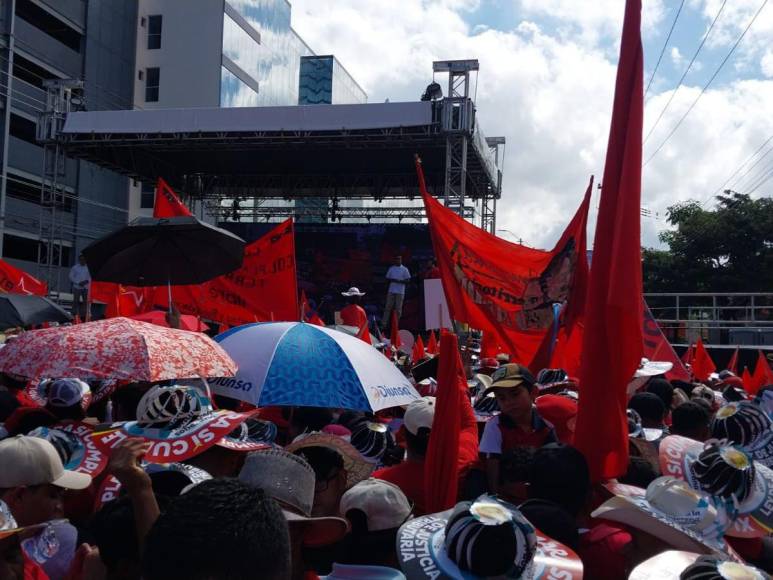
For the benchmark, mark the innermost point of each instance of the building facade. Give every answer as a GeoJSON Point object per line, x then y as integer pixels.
{"type": "Point", "coordinates": [228, 53]}
{"type": "Point", "coordinates": [42, 41]}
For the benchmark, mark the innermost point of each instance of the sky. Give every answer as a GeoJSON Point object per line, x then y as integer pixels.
{"type": "Point", "coordinates": [546, 83]}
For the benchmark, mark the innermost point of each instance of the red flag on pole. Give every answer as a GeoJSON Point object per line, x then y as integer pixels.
{"type": "Point", "coordinates": [657, 347]}
{"type": "Point", "coordinates": [702, 365]}
{"type": "Point", "coordinates": [432, 347]}
{"type": "Point", "coordinates": [394, 337]}
{"type": "Point", "coordinates": [747, 379]}
{"type": "Point", "coordinates": [441, 477]}
{"type": "Point", "coordinates": [418, 350]}
{"type": "Point", "coordinates": [762, 374]}
{"type": "Point", "coordinates": [612, 342]}
{"type": "Point", "coordinates": [12, 279]}
{"type": "Point", "coordinates": [689, 355]}
{"type": "Point", "coordinates": [732, 366]}
{"type": "Point", "coordinates": [167, 203]}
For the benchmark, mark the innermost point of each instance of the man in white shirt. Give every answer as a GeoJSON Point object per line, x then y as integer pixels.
{"type": "Point", "coordinates": [80, 279]}
{"type": "Point", "coordinates": [398, 276]}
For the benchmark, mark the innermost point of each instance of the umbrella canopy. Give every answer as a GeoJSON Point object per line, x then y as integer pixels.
{"type": "Point", "coordinates": [161, 251]}
{"type": "Point", "coordinates": [29, 310]}
{"type": "Point", "coordinates": [116, 348]}
{"type": "Point", "coordinates": [299, 364]}
{"type": "Point", "coordinates": [187, 321]}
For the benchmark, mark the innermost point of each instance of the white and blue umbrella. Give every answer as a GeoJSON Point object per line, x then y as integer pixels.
{"type": "Point", "coordinates": [299, 364]}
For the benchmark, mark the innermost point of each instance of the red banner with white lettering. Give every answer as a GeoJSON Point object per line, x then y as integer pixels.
{"type": "Point", "coordinates": [508, 289]}
{"type": "Point", "coordinates": [263, 289]}
{"type": "Point", "coordinates": [657, 348]}
{"type": "Point", "coordinates": [17, 281]}
{"type": "Point", "coordinates": [121, 300]}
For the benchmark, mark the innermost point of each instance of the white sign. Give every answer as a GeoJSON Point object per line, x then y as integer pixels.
{"type": "Point", "coordinates": [435, 306]}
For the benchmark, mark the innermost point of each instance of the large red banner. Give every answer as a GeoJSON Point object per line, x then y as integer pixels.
{"type": "Point", "coordinates": [17, 281]}
{"type": "Point", "coordinates": [509, 290]}
{"type": "Point", "coordinates": [264, 288]}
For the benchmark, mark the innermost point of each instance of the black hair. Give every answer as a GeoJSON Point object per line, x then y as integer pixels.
{"type": "Point", "coordinates": [559, 473]}
{"type": "Point", "coordinates": [663, 389]}
{"type": "Point", "coordinates": [8, 404]}
{"type": "Point", "coordinates": [32, 419]}
{"type": "Point", "coordinates": [640, 472]}
{"type": "Point", "coordinates": [366, 548]}
{"type": "Point", "coordinates": [125, 401]}
{"type": "Point", "coordinates": [113, 530]}
{"type": "Point", "coordinates": [350, 419]}
{"type": "Point", "coordinates": [649, 406]}
{"type": "Point", "coordinates": [703, 404]}
{"type": "Point", "coordinates": [311, 419]}
{"type": "Point", "coordinates": [12, 383]}
{"type": "Point", "coordinates": [73, 412]}
{"type": "Point", "coordinates": [220, 529]}
{"type": "Point", "coordinates": [688, 418]}
{"type": "Point", "coordinates": [515, 465]}
{"type": "Point", "coordinates": [418, 443]}
{"type": "Point", "coordinates": [731, 394]}
{"type": "Point", "coordinates": [324, 461]}
{"type": "Point", "coordinates": [552, 519]}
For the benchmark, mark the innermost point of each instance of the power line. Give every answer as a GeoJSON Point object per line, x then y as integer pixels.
{"type": "Point", "coordinates": [665, 45]}
{"type": "Point", "coordinates": [737, 169]}
{"type": "Point", "coordinates": [684, 75]}
{"type": "Point", "coordinates": [708, 84]}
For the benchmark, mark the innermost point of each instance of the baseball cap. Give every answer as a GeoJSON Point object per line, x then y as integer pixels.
{"type": "Point", "coordinates": [67, 392]}
{"type": "Point", "coordinates": [511, 375]}
{"type": "Point", "coordinates": [34, 461]}
{"type": "Point", "coordinates": [420, 413]}
{"type": "Point", "coordinates": [384, 504]}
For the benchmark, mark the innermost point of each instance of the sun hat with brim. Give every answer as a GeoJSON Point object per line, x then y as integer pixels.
{"type": "Point", "coordinates": [667, 565]}
{"type": "Point", "coordinates": [357, 469]}
{"type": "Point", "coordinates": [726, 469]}
{"type": "Point", "coordinates": [289, 480]}
{"type": "Point", "coordinates": [32, 461]}
{"type": "Point", "coordinates": [476, 534]}
{"type": "Point", "coordinates": [652, 368]}
{"type": "Point", "coordinates": [510, 376]}
{"type": "Point", "coordinates": [353, 291]}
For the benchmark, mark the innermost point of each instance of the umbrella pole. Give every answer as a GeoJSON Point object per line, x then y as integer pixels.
{"type": "Point", "coordinates": [169, 293]}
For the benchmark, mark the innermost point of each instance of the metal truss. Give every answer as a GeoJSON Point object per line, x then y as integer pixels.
{"type": "Point", "coordinates": [331, 213]}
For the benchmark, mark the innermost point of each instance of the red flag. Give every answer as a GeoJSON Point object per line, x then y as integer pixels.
{"type": "Point", "coordinates": [121, 300]}
{"type": "Point", "coordinates": [167, 203]}
{"type": "Point", "coordinates": [418, 350]}
{"type": "Point", "coordinates": [732, 366]}
{"type": "Point", "coordinates": [308, 315]}
{"type": "Point", "coordinates": [394, 337]}
{"type": "Point", "coordinates": [17, 281]}
{"type": "Point", "coordinates": [432, 347]}
{"type": "Point", "coordinates": [507, 288]}
{"type": "Point", "coordinates": [762, 376]}
{"type": "Point", "coordinates": [747, 379]}
{"type": "Point", "coordinates": [441, 477]}
{"type": "Point", "coordinates": [689, 355]}
{"type": "Point", "coordinates": [702, 365]}
{"type": "Point", "coordinates": [612, 343]}
{"type": "Point", "coordinates": [490, 345]}
{"type": "Point", "coordinates": [657, 348]}
{"type": "Point", "coordinates": [364, 333]}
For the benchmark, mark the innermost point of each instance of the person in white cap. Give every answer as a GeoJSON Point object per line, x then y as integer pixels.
{"type": "Point", "coordinates": [33, 479]}
{"type": "Point", "coordinates": [354, 314]}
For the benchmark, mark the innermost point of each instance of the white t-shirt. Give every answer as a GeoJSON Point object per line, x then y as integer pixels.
{"type": "Point", "coordinates": [397, 273]}
{"type": "Point", "coordinates": [79, 276]}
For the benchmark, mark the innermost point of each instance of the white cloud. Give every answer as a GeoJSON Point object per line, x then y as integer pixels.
{"type": "Point", "coordinates": [549, 91]}
{"type": "Point", "coordinates": [676, 57]}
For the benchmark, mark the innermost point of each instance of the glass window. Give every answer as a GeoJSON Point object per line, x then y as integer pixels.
{"type": "Point", "coordinates": [235, 93]}
{"type": "Point", "coordinates": [147, 196]}
{"type": "Point", "coordinates": [20, 248]}
{"type": "Point", "coordinates": [154, 31]}
{"type": "Point", "coordinates": [152, 77]}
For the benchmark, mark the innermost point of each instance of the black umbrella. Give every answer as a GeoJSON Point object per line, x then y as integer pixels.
{"type": "Point", "coordinates": [29, 310]}
{"type": "Point", "coordinates": [161, 251]}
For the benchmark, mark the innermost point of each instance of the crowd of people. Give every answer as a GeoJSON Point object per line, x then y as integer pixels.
{"type": "Point", "coordinates": [315, 492]}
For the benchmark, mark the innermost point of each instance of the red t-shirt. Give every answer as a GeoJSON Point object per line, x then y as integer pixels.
{"type": "Point", "coordinates": [409, 475]}
{"type": "Point", "coordinates": [354, 315]}
{"type": "Point", "coordinates": [432, 273]}
{"type": "Point", "coordinates": [605, 552]}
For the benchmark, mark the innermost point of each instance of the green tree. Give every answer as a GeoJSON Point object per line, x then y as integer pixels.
{"type": "Point", "coordinates": [727, 249]}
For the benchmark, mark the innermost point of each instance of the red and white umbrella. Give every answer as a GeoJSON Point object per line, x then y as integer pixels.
{"type": "Point", "coordinates": [158, 317]}
{"type": "Point", "coordinates": [117, 348]}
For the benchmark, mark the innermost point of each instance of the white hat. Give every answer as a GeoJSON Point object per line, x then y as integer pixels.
{"type": "Point", "coordinates": [34, 461]}
{"type": "Point", "coordinates": [353, 291]}
{"type": "Point", "coordinates": [420, 413]}
{"type": "Point", "coordinates": [651, 368]}
{"type": "Point", "coordinates": [383, 503]}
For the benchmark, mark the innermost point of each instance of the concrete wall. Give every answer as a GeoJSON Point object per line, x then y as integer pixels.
{"type": "Point", "coordinates": [190, 54]}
